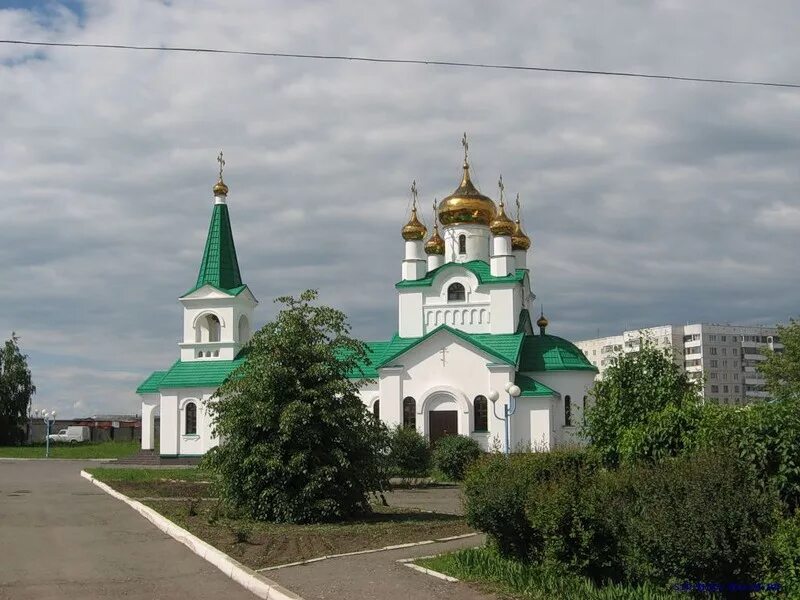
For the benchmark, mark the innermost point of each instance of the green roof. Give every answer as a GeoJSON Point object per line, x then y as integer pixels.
{"type": "Point", "coordinates": [191, 374]}
{"type": "Point", "coordinates": [552, 353]}
{"type": "Point", "coordinates": [220, 266]}
{"type": "Point", "coordinates": [532, 388]}
{"type": "Point", "coordinates": [151, 384]}
{"type": "Point", "coordinates": [479, 268]}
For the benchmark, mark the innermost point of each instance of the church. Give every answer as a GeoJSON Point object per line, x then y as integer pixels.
{"type": "Point", "coordinates": [466, 357]}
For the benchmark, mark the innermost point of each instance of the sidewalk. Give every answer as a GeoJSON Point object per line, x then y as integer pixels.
{"type": "Point", "coordinates": [377, 577]}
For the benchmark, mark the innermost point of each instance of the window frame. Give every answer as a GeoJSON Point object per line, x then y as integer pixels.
{"type": "Point", "coordinates": [456, 288]}
{"type": "Point", "coordinates": [481, 401]}
{"type": "Point", "coordinates": [190, 410]}
{"type": "Point", "coordinates": [411, 422]}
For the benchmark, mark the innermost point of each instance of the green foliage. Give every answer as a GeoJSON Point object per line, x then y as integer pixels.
{"type": "Point", "coordinates": [298, 444]}
{"type": "Point", "coordinates": [496, 492]}
{"type": "Point", "coordinates": [409, 453]}
{"type": "Point", "coordinates": [781, 563]}
{"type": "Point", "coordinates": [16, 392]}
{"type": "Point", "coordinates": [453, 455]}
{"type": "Point", "coordinates": [661, 434]}
{"type": "Point", "coordinates": [532, 581]}
{"type": "Point", "coordinates": [782, 369]}
{"type": "Point", "coordinates": [632, 393]}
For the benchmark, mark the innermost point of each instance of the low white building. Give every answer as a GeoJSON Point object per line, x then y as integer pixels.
{"type": "Point", "coordinates": [723, 357]}
{"type": "Point", "coordinates": [464, 337]}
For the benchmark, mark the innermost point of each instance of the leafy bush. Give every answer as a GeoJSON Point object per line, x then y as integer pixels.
{"type": "Point", "coordinates": [453, 455]}
{"type": "Point", "coordinates": [409, 453]}
{"type": "Point", "coordinates": [782, 557]}
{"type": "Point", "coordinates": [497, 488]}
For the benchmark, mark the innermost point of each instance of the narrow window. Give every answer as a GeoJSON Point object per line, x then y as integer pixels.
{"type": "Point", "coordinates": [567, 411]}
{"type": "Point", "coordinates": [191, 418]}
{"type": "Point", "coordinates": [584, 409]}
{"type": "Point", "coordinates": [462, 244]}
{"type": "Point", "coordinates": [456, 292]}
{"type": "Point", "coordinates": [481, 414]}
{"type": "Point", "coordinates": [409, 412]}
{"type": "Point", "coordinates": [376, 410]}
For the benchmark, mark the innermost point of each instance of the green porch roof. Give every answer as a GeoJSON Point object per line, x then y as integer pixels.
{"type": "Point", "coordinates": [151, 384]}
{"type": "Point", "coordinates": [532, 388]}
{"type": "Point", "coordinates": [479, 268]}
{"type": "Point", "coordinates": [552, 353]}
{"type": "Point", "coordinates": [219, 266]}
{"type": "Point", "coordinates": [191, 374]}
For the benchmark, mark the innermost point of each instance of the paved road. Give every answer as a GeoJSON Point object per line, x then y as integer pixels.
{"type": "Point", "coordinates": [62, 537]}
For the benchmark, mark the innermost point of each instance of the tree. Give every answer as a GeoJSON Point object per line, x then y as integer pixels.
{"type": "Point", "coordinates": [16, 391]}
{"type": "Point", "coordinates": [782, 369]}
{"type": "Point", "coordinates": [629, 402]}
{"type": "Point", "coordinates": [298, 444]}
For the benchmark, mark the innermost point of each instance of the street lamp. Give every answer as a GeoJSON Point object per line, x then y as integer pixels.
{"type": "Point", "coordinates": [513, 392]}
{"type": "Point", "coordinates": [49, 419]}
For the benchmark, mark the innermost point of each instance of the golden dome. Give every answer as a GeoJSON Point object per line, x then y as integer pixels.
{"type": "Point", "coordinates": [519, 240]}
{"type": "Point", "coordinates": [435, 244]}
{"type": "Point", "coordinates": [501, 224]}
{"type": "Point", "coordinates": [220, 189]}
{"type": "Point", "coordinates": [542, 322]}
{"type": "Point", "coordinates": [466, 204]}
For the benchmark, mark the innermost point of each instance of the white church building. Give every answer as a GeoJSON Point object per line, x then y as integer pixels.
{"type": "Point", "coordinates": [465, 352]}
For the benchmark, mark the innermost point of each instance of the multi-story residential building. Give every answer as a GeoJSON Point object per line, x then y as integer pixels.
{"type": "Point", "coordinates": [723, 357]}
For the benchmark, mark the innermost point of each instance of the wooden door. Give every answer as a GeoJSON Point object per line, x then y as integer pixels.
{"type": "Point", "coordinates": [442, 423]}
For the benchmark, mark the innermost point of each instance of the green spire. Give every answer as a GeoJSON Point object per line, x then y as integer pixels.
{"type": "Point", "coordinates": [220, 267]}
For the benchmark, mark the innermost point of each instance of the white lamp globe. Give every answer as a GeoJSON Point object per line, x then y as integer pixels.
{"type": "Point", "coordinates": [494, 395]}
{"type": "Point", "coordinates": [509, 384]}
{"type": "Point", "coordinates": [514, 391]}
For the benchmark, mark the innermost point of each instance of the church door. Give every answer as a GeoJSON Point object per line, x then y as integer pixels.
{"type": "Point", "coordinates": [442, 423]}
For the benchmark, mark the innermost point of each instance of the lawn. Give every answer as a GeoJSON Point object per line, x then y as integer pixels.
{"type": "Point", "coordinates": [183, 496]}
{"type": "Point", "coordinates": [511, 579]}
{"type": "Point", "coordinates": [83, 450]}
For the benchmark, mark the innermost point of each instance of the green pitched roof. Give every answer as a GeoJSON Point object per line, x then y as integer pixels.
{"type": "Point", "coordinates": [532, 388]}
{"type": "Point", "coordinates": [151, 384]}
{"type": "Point", "coordinates": [220, 266]}
{"type": "Point", "coordinates": [551, 353]}
{"type": "Point", "coordinates": [479, 268]}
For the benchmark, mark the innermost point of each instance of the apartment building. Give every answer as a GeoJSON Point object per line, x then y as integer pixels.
{"type": "Point", "coordinates": [726, 354]}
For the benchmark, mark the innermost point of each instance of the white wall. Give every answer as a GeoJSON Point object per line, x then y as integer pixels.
{"type": "Point", "coordinates": [174, 439]}
{"type": "Point", "coordinates": [478, 239]}
{"type": "Point", "coordinates": [150, 406]}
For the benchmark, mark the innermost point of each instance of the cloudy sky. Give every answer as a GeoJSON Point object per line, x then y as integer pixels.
{"type": "Point", "coordinates": [648, 202]}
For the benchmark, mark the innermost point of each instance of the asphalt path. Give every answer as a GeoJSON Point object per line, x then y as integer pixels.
{"type": "Point", "coordinates": [62, 537]}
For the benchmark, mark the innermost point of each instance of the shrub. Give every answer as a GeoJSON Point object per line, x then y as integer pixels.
{"type": "Point", "coordinates": [453, 454]}
{"type": "Point", "coordinates": [781, 562]}
{"type": "Point", "coordinates": [497, 488]}
{"type": "Point", "coordinates": [409, 453]}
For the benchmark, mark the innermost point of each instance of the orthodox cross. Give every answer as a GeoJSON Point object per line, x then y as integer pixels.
{"type": "Point", "coordinates": [414, 194]}
{"type": "Point", "coordinates": [444, 351]}
{"type": "Point", "coordinates": [221, 162]}
{"type": "Point", "coordinates": [502, 188]}
{"type": "Point", "coordinates": [434, 212]}
{"type": "Point", "coordinates": [517, 206]}
{"type": "Point", "coordinates": [465, 143]}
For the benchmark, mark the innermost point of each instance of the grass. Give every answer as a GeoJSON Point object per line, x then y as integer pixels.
{"type": "Point", "coordinates": [182, 495]}
{"type": "Point", "coordinates": [78, 451]}
{"type": "Point", "coordinates": [533, 582]}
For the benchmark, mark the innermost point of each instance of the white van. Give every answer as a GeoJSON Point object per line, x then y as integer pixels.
{"type": "Point", "coordinates": [72, 434]}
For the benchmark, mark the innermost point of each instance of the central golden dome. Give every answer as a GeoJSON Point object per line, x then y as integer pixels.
{"type": "Point", "coordinates": [466, 205]}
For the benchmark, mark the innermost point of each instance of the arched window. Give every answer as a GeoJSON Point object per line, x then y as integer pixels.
{"type": "Point", "coordinates": [409, 412]}
{"type": "Point", "coordinates": [462, 244]}
{"type": "Point", "coordinates": [191, 419]}
{"type": "Point", "coordinates": [207, 329]}
{"type": "Point", "coordinates": [244, 330]}
{"type": "Point", "coordinates": [567, 411]}
{"type": "Point", "coordinates": [376, 410]}
{"type": "Point", "coordinates": [456, 292]}
{"type": "Point", "coordinates": [213, 328]}
{"type": "Point", "coordinates": [481, 414]}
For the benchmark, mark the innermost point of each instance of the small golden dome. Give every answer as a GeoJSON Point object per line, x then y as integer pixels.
{"type": "Point", "coordinates": [220, 189]}
{"type": "Point", "coordinates": [414, 230]}
{"type": "Point", "coordinates": [466, 205]}
{"type": "Point", "coordinates": [501, 224]}
{"type": "Point", "coordinates": [435, 244]}
{"type": "Point", "coordinates": [519, 240]}
{"type": "Point", "coordinates": [542, 322]}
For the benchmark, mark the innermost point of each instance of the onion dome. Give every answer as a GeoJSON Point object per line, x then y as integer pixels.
{"type": "Point", "coordinates": [414, 229]}
{"type": "Point", "coordinates": [466, 204]}
{"type": "Point", "coordinates": [435, 244]}
{"type": "Point", "coordinates": [501, 224]}
{"type": "Point", "coordinates": [542, 321]}
{"type": "Point", "coordinates": [519, 240]}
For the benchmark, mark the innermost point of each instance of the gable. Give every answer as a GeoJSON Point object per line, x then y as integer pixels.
{"type": "Point", "coordinates": [478, 268]}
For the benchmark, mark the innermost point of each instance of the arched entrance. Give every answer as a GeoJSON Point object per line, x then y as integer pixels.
{"type": "Point", "coordinates": [442, 416]}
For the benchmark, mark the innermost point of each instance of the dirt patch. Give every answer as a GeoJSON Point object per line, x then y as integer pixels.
{"type": "Point", "coordinates": [261, 545]}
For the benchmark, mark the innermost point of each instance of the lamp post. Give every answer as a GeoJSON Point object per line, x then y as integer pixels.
{"type": "Point", "coordinates": [513, 392]}
{"type": "Point", "coordinates": [49, 419]}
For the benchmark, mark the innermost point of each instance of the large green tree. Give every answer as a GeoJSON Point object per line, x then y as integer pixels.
{"type": "Point", "coordinates": [644, 407]}
{"type": "Point", "coordinates": [298, 444]}
{"type": "Point", "coordinates": [782, 369]}
{"type": "Point", "coordinates": [16, 392]}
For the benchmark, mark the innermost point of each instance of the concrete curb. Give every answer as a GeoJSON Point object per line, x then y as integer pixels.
{"type": "Point", "coordinates": [244, 576]}
{"type": "Point", "coordinates": [407, 562]}
{"type": "Point", "coordinates": [370, 551]}
{"type": "Point", "coordinates": [97, 460]}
